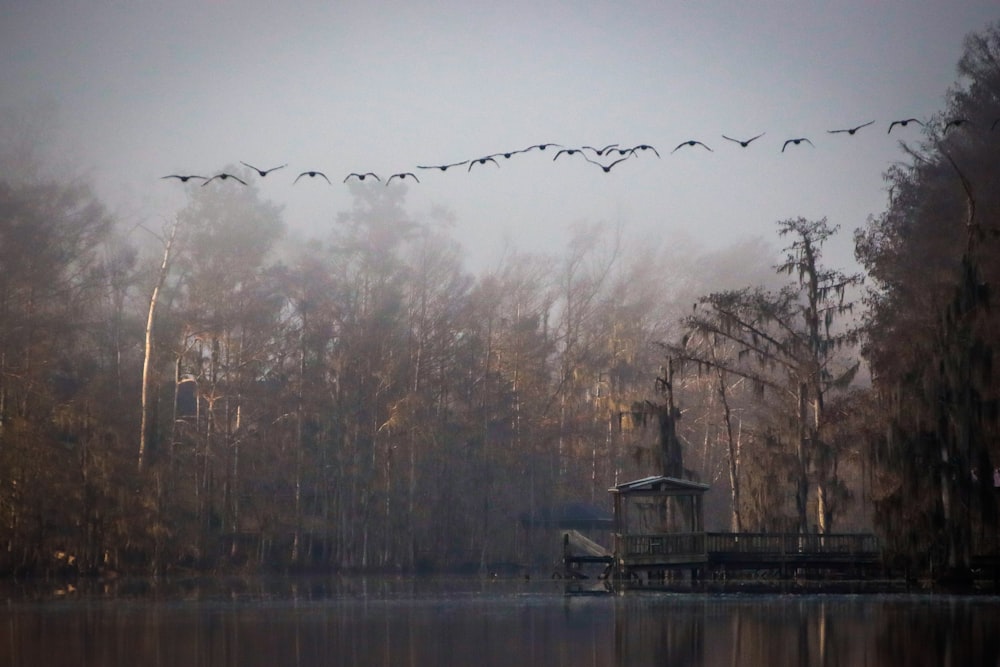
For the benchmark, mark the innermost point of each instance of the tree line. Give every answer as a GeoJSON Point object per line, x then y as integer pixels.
{"type": "Point", "coordinates": [218, 394]}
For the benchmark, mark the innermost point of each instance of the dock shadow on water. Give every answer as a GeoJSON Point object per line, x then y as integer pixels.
{"type": "Point", "coordinates": [446, 622]}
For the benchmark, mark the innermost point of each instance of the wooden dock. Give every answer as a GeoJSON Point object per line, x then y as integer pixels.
{"type": "Point", "coordinates": [787, 552]}
{"type": "Point", "coordinates": [718, 553]}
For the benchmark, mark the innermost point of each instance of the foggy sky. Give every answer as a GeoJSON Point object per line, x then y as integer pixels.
{"type": "Point", "coordinates": [144, 89]}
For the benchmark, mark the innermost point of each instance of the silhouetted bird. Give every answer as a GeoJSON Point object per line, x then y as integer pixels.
{"type": "Point", "coordinates": [183, 179]}
{"type": "Point", "coordinates": [263, 172]}
{"type": "Point", "coordinates": [851, 130]}
{"type": "Point", "coordinates": [402, 176]}
{"type": "Point", "coordinates": [540, 147]}
{"type": "Point", "coordinates": [506, 154]}
{"type": "Point", "coordinates": [311, 174]}
{"type": "Point", "coordinates": [956, 122]}
{"type": "Point", "coordinates": [567, 151]}
{"type": "Point", "coordinates": [745, 142]}
{"type": "Point", "coordinates": [690, 142]}
{"type": "Point", "coordinates": [442, 167]}
{"type": "Point", "coordinates": [903, 123]}
{"type": "Point", "coordinates": [606, 167]}
{"type": "Point", "coordinates": [600, 151]}
{"type": "Point", "coordinates": [641, 147]}
{"type": "Point", "coordinates": [362, 177]}
{"type": "Point", "coordinates": [223, 177]}
{"type": "Point", "coordinates": [796, 142]}
{"type": "Point", "coordinates": [482, 160]}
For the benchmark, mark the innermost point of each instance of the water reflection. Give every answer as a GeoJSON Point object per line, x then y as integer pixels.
{"type": "Point", "coordinates": [446, 623]}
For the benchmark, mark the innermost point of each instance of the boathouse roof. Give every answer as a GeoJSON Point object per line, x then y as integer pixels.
{"type": "Point", "coordinates": [660, 484]}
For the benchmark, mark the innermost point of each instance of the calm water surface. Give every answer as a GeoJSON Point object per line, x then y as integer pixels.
{"type": "Point", "coordinates": [452, 622]}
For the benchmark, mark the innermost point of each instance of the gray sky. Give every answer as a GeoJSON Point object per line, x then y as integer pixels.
{"type": "Point", "coordinates": [149, 88]}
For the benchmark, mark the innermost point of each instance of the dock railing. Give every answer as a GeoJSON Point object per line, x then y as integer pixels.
{"type": "Point", "coordinates": [672, 544]}
{"type": "Point", "coordinates": [792, 543]}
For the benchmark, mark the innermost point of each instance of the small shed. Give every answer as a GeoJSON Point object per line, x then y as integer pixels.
{"type": "Point", "coordinates": [658, 524]}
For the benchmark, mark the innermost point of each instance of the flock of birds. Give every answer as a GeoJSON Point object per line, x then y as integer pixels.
{"type": "Point", "coordinates": [605, 157]}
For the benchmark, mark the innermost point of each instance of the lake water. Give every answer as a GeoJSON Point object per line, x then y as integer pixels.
{"type": "Point", "coordinates": [481, 622]}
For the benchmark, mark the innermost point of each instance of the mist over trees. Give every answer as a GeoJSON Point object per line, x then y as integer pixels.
{"type": "Point", "coordinates": [215, 394]}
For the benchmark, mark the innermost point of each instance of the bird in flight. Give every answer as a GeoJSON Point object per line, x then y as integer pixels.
{"type": "Point", "coordinates": [606, 167]}
{"type": "Point", "coordinates": [690, 142]}
{"type": "Point", "coordinates": [797, 141]}
{"type": "Point", "coordinates": [745, 142]}
{"type": "Point", "coordinates": [506, 154]}
{"type": "Point", "coordinates": [903, 123]}
{"type": "Point", "coordinates": [402, 176]}
{"type": "Point", "coordinates": [956, 122]}
{"type": "Point", "coordinates": [601, 151]}
{"type": "Point", "coordinates": [540, 147]}
{"type": "Point", "coordinates": [568, 151]}
{"type": "Point", "coordinates": [263, 172]}
{"type": "Point", "coordinates": [184, 178]}
{"type": "Point", "coordinates": [361, 177]}
{"type": "Point", "coordinates": [311, 174]}
{"type": "Point", "coordinates": [223, 176]}
{"type": "Point", "coordinates": [642, 147]}
{"type": "Point", "coordinates": [482, 160]}
{"type": "Point", "coordinates": [993, 126]}
{"type": "Point", "coordinates": [442, 167]}
{"type": "Point", "coordinates": [851, 130]}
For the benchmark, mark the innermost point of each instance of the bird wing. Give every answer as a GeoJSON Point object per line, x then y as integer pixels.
{"type": "Point", "coordinates": [259, 171]}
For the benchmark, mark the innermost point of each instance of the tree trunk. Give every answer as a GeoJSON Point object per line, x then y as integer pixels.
{"type": "Point", "coordinates": [148, 347]}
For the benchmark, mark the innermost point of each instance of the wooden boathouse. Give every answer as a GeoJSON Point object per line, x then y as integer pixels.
{"type": "Point", "coordinates": [658, 525]}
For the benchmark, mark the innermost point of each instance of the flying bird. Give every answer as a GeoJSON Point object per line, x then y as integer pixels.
{"type": "Point", "coordinates": [643, 147]}
{"type": "Point", "coordinates": [606, 167]}
{"type": "Point", "coordinates": [690, 142]}
{"type": "Point", "coordinates": [797, 141]}
{"type": "Point", "coordinates": [903, 123]}
{"type": "Point", "coordinates": [851, 130]}
{"type": "Point", "coordinates": [223, 176]}
{"type": "Point", "coordinates": [311, 174]}
{"type": "Point", "coordinates": [263, 172]}
{"type": "Point", "coordinates": [745, 142]}
{"type": "Point", "coordinates": [183, 178]}
{"type": "Point", "coordinates": [482, 160]}
{"type": "Point", "coordinates": [362, 177]}
{"type": "Point", "coordinates": [993, 126]}
{"type": "Point", "coordinates": [442, 167]}
{"type": "Point", "coordinates": [600, 151]}
{"type": "Point", "coordinates": [540, 147]}
{"type": "Point", "coordinates": [506, 154]}
{"type": "Point", "coordinates": [402, 176]}
{"type": "Point", "coordinates": [956, 122]}
{"type": "Point", "coordinates": [568, 151]}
